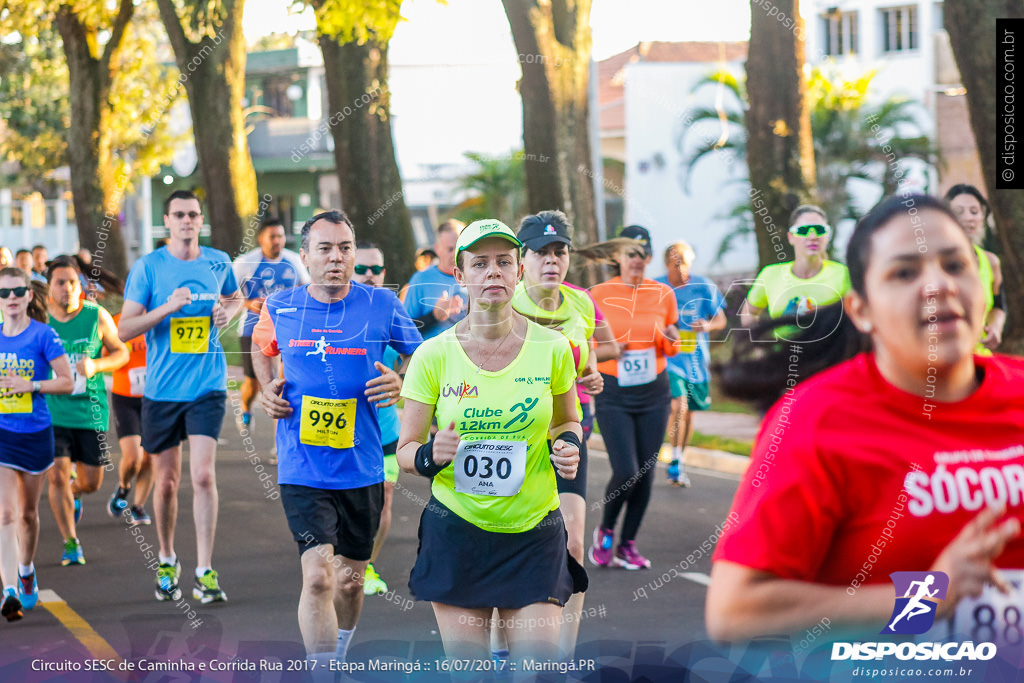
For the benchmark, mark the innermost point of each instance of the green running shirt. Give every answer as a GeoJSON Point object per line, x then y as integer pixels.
{"type": "Point", "coordinates": [86, 407]}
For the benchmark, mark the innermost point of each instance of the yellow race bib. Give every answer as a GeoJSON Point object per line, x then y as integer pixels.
{"type": "Point", "coordinates": [328, 422]}
{"type": "Point", "coordinates": [190, 335]}
{"type": "Point", "coordinates": [16, 403]}
{"type": "Point", "coordinates": [687, 341]}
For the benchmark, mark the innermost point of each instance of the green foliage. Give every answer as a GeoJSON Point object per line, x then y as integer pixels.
{"type": "Point", "coordinates": [346, 21]}
{"type": "Point", "coordinates": [34, 97]}
{"type": "Point", "coordinates": [33, 107]}
{"type": "Point", "coordinates": [853, 140]}
{"type": "Point", "coordinates": [497, 187]}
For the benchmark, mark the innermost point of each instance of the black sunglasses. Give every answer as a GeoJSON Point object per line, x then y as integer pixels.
{"type": "Point", "coordinates": [376, 270]}
{"type": "Point", "coordinates": [181, 214]}
{"type": "Point", "coordinates": [5, 292]}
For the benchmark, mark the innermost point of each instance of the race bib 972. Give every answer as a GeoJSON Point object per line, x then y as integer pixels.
{"type": "Point", "coordinates": [190, 335]}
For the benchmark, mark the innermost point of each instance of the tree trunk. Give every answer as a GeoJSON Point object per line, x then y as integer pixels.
{"type": "Point", "coordinates": [971, 28]}
{"type": "Point", "coordinates": [364, 151]}
{"type": "Point", "coordinates": [97, 193]}
{"type": "Point", "coordinates": [553, 39]}
{"type": "Point", "coordinates": [213, 71]}
{"type": "Point", "coordinates": [780, 149]}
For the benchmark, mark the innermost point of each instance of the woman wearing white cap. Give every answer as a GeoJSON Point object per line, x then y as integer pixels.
{"type": "Point", "coordinates": [500, 387]}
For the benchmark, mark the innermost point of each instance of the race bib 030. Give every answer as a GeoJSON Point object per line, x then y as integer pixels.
{"type": "Point", "coordinates": [490, 468]}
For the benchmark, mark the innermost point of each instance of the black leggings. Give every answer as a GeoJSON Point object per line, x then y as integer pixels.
{"type": "Point", "coordinates": [633, 434]}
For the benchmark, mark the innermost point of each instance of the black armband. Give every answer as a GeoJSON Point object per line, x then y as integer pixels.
{"type": "Point", "coordinates": [425, 464]}
{"type": "Point", "coordinates": [570, 437]}
{"type": "Point", "coordinates": [999, 300]}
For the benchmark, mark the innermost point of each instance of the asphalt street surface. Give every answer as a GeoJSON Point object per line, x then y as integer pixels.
{"type": "Point", "coordinates": [104, 614]}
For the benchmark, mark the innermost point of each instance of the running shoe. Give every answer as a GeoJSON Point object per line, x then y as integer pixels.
{"type": "Point", "coordinates": [247, 419]}
{"type": "Point", "coordinates": [138, 516]}
{"type": "Point", "coordinates": [72, 553]}
{"type": "Point", "coordinates": [673, 471]}
{"type": "Point", "coordinates": [28, 591]}
{"type": "Point", "coordinates": [167, 581]}
{"type": "Point", "coordinates": [207, 588]}
{"type": "Point", "coordinates": [78, 509]}
{"type": "Point", "coordinates": [118, 502]}
{"type": "Point", "coordinates": [600, 553]}
{"type": "Point", "coordinates": [372, 583]}
{"type": "Point", "coordinates": [627, 556]}
{"type": "Point", "coordinates": [11, 609]}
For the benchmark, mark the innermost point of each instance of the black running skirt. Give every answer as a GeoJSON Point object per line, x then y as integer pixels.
{"type": "Point", "coordinates": [460, 564]}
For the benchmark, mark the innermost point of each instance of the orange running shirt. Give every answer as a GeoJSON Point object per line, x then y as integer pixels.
{"type": "Point", "coordinates": [124, 375]}
{"type": "Point", "coordinates": [637, 316]}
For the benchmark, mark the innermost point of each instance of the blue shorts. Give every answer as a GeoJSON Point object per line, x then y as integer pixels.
{"type": "Point", "coordinates": [165, 424]}
{"type": "Point", "coordinates": [30, 452]}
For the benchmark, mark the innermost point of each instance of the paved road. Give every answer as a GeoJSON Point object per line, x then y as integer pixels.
{"type": "Point", "coordinates": [106, 608]}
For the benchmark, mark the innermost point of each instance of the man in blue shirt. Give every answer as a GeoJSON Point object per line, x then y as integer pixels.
{"type": "Point", "coordinates": [268, 268]}
{"type": "Point", "coordinates": [701, 310]}
{"type": "Point", "coordinates": [433, 298]}
{"type": "Point", "coordinates": [330, 336]}
{"type": "Point", "coordinates": [181, 296]}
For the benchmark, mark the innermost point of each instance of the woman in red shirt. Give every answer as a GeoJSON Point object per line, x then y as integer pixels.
{"type": "Point", "coordinates": [909, 457]}
{"type": "Point", "coordinates": [634, 407]}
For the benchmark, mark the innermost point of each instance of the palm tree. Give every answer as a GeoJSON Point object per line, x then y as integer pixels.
{"type": "Point", "coordinates": [853, 139]}
{"type": "Point", "coordinates": [497, 187]}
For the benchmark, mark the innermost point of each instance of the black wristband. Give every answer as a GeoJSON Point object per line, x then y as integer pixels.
{"type": "Point", "coordinates": [570, 437]}
{"type": "Point", "coordinates": [999, 300]}
{"type": "Point", "coordinates": [425, 464]}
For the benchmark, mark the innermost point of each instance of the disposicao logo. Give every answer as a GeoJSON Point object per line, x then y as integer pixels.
{"type": "Point", "coordinates": [914, 613]}
{"type": "Point", "coordinates": [917, 594]}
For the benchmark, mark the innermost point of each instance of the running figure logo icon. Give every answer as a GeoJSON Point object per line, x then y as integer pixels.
{"type": "Point", "coordinates": [321, 348]}
{"type": "Point", "coordinates": [914, 613]}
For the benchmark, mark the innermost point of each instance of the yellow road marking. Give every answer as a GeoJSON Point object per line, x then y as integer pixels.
{"type": "Point", "coordinates": [79, 627]}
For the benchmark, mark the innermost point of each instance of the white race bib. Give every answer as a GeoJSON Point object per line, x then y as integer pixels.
{"type": "Point", "coordinates": [137, 381]}
{"type": "Point", "coordinates": [490, 468]}
{"type": "Point", "coordinates": [993, 617]}
{"type": "Point", "coordinates": [637, 367]}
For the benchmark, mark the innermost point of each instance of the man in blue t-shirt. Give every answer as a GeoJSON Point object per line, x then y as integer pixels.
{"type": "Point", "coordinates": [433, 298]}
{"type": "Point", "coordinates": [330, 336]}
{"type": "Point", "coordinates": [181, 296]}
{"type": "Point", "coordinates": [701, 310]}
{"type": "Point", "coordinates": [268, 268]}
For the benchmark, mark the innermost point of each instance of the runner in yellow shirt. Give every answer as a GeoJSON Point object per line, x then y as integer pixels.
{"type": "Point", "coordinates": [503, 389]}
{"type": "Point", "coordinates": [807, 282]}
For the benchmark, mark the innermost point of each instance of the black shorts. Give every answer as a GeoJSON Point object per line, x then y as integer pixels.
{"type": "Point", "coordinates": [87, 446]}
{"type": "Point", "coordinates": [127, 415]}
{"type": "Point", "coordinates": [246, 345]}
{"type": "Point", "coordinates": [165, 424]}
{"type": "Point", "coordinates": [460, 564]}
{"type": "Point", "coordinates": [344, 518]}
{"type": "Point", "coordinates": [579, 484]}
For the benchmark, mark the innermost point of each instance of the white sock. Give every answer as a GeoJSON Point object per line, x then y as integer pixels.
{"type": "Point", "coordinates": [321, 666]}
{"type": "Point", "coordinates": [677, 453]}
{"type": "Point", "coordinates": [26, 571]}
{"type": "Point", "coordinates": [172, 560]}
{"type": "Point", "coordinates": [344, 637]}
{"type": "Point", "coordinates": [202, 570]}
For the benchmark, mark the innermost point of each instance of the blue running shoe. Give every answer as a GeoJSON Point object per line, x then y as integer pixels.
{"type": "Point", "coordinates": [72, 553]}
{"type": "Point", "coordinates": [78, 509]}
{"type": "Point", "coordinates": [28, 591]}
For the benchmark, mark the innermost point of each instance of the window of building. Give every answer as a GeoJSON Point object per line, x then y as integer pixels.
{"type": "Point", "coordinates": [839, 33]}
{"type": "Point", "coordinates": [899, 29]}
